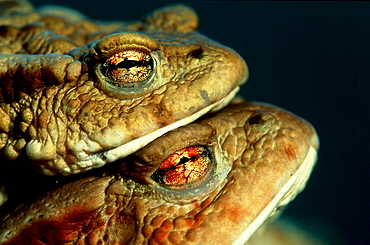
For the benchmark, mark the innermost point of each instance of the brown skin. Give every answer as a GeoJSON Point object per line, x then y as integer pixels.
{"type": "Point", "coordinates": [69, 102]}
{"type": "Point", "coordinates": [254, 149]}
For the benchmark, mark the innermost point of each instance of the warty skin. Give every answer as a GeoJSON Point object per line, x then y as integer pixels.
{"type": "Point", "coordinates": [77, 94]}
{"type": "Point", "coordinates": [261, 157]}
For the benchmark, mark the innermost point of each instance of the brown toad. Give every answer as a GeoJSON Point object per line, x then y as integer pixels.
{"type": "Point", "coordinates": [214, 181]}
{"type": "Point", "coordinates": [76, 94]}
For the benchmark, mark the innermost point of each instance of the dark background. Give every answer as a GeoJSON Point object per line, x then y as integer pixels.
{"type": "Point", "coordinates": [311, 58]}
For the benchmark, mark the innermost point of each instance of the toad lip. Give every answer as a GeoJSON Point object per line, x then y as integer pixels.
{"type": "Point", "coordinates": [260, 158]}
{"type": "Point", "coordinates": [99, 159]}
{"type": "Point", "coordinates": [74, 108]}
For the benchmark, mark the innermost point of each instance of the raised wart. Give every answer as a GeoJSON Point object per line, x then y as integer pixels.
{"type": "Point", "coordinates": [76, 94]}
{"type": "Point", "coordinates": [209, 182]}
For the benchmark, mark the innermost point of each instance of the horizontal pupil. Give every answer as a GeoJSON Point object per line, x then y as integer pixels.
{"type": "Point", "coordinates": [184, 160]}
{"type": "Point", "coordinates": [126, 64]}
{"type": "Point", "coordinates": [184, 166]}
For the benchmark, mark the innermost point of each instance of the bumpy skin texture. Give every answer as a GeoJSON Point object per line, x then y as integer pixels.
{"type": "Point", "coordinates": [60, 106]}
{"type": "Point", "coordinates": [254, 149]}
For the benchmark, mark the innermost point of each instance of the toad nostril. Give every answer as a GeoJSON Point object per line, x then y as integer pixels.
{"type": "Point", "coordinates": [257, 119]}
{"type": "Point", "coordinates": [197, 53]}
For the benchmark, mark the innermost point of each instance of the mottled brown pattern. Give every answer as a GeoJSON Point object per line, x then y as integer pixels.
{"type": "Point", "coordinates": [76, 94]}
{"type": "Point", "coordinates": [60, 112]}
{"type": "Point", "coordinates": [125, 205]}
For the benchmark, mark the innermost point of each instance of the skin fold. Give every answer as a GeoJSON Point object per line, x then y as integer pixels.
{"type": "Point", "coordinates": [145, 96]}
{"type": "Point", "coordinates": [214, 181]}
{"type": "Point", "coordinates": [76, 93]}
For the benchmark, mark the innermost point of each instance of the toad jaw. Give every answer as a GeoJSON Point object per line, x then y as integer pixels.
{"type": "Point", "coordinates": [111, 155]}
{"type": "Point", "coordinates": [90, 132]}
{"type": "Point", "coordinates": [104, 109]}
{"type": "Point", "coordinates": [287, 193]}
{"type": "Point", "coordinates": [72, 95]}
{"type": "Point", "coordinates": [253, 159]}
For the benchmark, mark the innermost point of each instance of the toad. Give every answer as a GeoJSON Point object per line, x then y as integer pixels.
{"type": "Point", "coordinates": [77, 94]}
{"type": "Point", "coordinates": [214, 181]}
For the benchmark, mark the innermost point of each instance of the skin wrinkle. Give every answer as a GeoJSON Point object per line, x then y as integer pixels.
{"type": "Point", "coordinates": [80, 115]}
{"type": "Point", "coordinates": [146, 212]}
{"type": "Point", "coordinates": [71, 91]}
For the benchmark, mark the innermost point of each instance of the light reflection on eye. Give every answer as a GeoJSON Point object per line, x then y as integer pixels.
{"type": "Point", "coordinates": [183, 167]}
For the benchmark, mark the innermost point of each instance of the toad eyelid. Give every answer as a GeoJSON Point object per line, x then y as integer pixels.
{"type": "Point", "coordinates": [119, 41]}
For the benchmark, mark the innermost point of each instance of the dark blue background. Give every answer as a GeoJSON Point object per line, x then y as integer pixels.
{"type": "Point", "coordinates": [311, 58]}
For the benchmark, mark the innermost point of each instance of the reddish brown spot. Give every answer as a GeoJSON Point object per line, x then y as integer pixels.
{"type": "Point", "coordinates": [167, 225]}
{"type": "Point", "coordinates": [234, 214]}
{"type": "Point", "coordinates": [157, 221]}
{"type": "Point", "coordinates": [159, 235]}
{"type": "Point", "coordinates": [194, 212]}
{"type": "Point", "coordinates": [290, 151]}
{"type": "Point", "coordinates": [59, 230]}
{"type": "Point", "coordinates": [181, 223]}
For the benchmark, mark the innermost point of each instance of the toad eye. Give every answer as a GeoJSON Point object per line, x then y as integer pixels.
{"type": "Point", "coordinates": [185, 166]}
{"type": "Point", "coordinates": [128, 68]}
